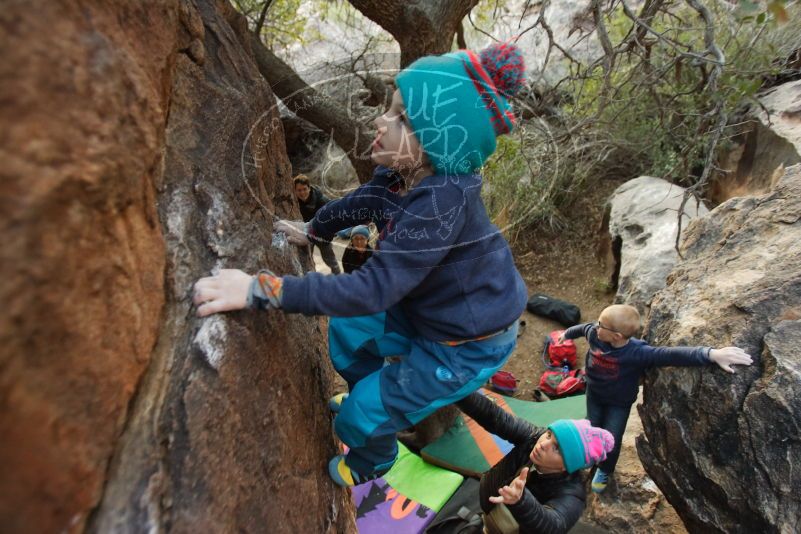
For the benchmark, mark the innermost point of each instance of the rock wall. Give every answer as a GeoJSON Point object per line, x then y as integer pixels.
{"type": "Point", "coordinates": [141, 149]}
{"type": "Point", "coordinates": [643, 220]}
{"type": "Point", "coordinates": [769, 141]}
{"type": "Point", "coordinates": [724, 448]}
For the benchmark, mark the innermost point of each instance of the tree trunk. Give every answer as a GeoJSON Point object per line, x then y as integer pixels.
{"type": "Point", "coordinates": [139, 145]}
{"type": "Point", "coordinates": [421, 28]}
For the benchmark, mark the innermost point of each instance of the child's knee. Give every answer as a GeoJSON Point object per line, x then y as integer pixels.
{"type": "Point", "coordinates": [358, 419]}
{"type": "Point", "coordinates": [347, 431]}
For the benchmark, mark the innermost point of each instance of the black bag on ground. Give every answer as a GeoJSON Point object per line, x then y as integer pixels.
{"type": "Point", "coordinates": [461, 514]}
{"type": "Point", "coordinates": [563, 312]}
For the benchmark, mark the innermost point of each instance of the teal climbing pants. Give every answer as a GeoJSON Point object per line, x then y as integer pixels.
{"type": "Point", "coordinates": [385, 398]}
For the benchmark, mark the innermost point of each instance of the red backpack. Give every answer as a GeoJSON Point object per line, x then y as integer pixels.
{"type": "Point", "coordinates": [561, 378]}
{"type": "Point", "coordinates": [559, 355]}
{"type": "Point", "coordinates": [557, 384]}
{"type": "Point", "coordinates": [504, 382]}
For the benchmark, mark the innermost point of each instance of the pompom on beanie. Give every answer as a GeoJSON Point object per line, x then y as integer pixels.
{"type": "Point", "coordinates": [582, 445]}
{"type": "Point", "coordinates": [457, 104]}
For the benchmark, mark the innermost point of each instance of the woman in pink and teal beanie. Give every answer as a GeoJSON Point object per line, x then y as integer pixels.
{"type": "Point", "coordinates": [538, 485]}
{"type": "Point", "coordinates": [581, 444]}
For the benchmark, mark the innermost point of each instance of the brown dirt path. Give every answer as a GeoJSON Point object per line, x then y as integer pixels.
{"type": "Point", "coordinates": [562, 264]}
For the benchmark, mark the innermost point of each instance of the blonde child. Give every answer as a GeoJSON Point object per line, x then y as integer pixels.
{"type": "Point", "coordinates": [615, 362]}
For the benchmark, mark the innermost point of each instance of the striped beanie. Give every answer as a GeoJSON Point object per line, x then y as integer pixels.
{"type": "Point", "coordinates": [582, 445]}
{"type": "Point", "coordinates": [457, 104]}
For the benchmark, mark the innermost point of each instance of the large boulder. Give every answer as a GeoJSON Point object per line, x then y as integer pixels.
{"type": "Point", "coordinates": [643, 224]}
{"type": "Point", "coordinates": [781, 112]}
{"type": "Point", "coordinates": [140, 150]}
{"type": "Point", "coordinates": [766, 142]}
{"type": "Point", "coordinates": [724, 448]}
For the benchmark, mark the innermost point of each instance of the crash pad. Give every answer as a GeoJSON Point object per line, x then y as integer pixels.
{"type": "Point", "coordinates": [468, 449]}
{"type": "Point", "coordinates": [406, 499]}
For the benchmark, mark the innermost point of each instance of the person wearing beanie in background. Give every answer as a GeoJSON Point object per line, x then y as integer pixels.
{"type": "Point", "coordinates": [358, 251]}
{"type": "Point", "coordinates": [537, 486]}
{"type": "Point", "coordinates": [310, 200]}
{"type": "Point", "coordinates": [441, 290]}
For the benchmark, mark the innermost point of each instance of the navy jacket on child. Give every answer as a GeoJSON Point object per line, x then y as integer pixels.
{"type": "Point", "coordinates": [613, 374]}
{"type": "Point", "coordinates": [451, 272]}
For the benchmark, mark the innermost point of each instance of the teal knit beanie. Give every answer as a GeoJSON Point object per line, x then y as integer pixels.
{"type": "Point", "coordinates": [457, 104]}
{"type": "Point", "coordinates": [360, 230]}
{"type": "Point", "coordinates": [581, 444]}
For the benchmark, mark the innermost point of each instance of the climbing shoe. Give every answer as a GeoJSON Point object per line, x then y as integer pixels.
{"type": "Point", "coordinates": [599, 481]}
{"type": "Point", "coordinates": [344, 476]}
{"type": "Point", "coordinates": [335, 402]}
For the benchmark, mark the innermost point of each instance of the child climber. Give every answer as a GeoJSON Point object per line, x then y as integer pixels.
{"type": "Point", "coordinates": [358, 251]}
{"type": "Point", "coordinates": [441, 290]}
{"type": "Point", "coordinates": [615, 362]}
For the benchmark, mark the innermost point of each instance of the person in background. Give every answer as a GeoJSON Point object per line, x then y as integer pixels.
{"type": "Point", "coordinates": [310, 200]}
{"type": "Point", "coordinates": [358, 251]}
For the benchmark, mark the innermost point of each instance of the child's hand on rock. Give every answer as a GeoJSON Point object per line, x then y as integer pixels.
{"type": "Point", "coordinates": [728, 356]}
{"type": "Point", "coordinates": [225, 291]}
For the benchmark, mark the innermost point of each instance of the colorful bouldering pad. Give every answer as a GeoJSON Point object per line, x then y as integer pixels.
{"type": "Point", "coordinates": [406, 499]}
{"type": "Point", "coordinates": [468, 449]}
{"type": "Point", "coordinates": [380, 510]}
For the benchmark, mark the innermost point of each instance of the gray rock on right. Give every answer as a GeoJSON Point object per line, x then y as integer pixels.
{"type": "Point", "coordinates": [725, 449]}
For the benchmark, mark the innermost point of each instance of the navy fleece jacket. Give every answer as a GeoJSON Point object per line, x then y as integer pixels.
{"type": "Point", "coordinates": [613, 374]}
{"type": "Point", "coordinates": [438, 257]}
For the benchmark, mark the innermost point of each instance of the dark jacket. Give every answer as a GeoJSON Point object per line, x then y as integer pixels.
{"type": "Point", "coordinates": [551, 504]}
{"type": "Point", "coordinates": [613, 374]}
{"type": "Point", "coordinates": [315, 201]}
{"type": "Point", "coordinates": [352, 259]}
{"type": "Point", "coordinates": [438, 256]}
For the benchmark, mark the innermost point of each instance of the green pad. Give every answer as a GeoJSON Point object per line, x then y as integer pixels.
{"type": "Point", "coordinates": [427, 484]}
{"type": "Point", "coordinates": [470, 450]}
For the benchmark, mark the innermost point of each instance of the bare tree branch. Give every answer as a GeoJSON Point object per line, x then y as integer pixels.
{"type": "Point", "coordinates": [316, 108]}
{"type": "Point", "coordinates": [719, 111]}
{"type": "Point", "coordinates": [460, 41]}
{"type": "Point", "coordinates": [262, 16]}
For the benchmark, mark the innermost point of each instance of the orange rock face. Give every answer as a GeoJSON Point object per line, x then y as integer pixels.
{"type": "Point", "coordinates": [139, 150]}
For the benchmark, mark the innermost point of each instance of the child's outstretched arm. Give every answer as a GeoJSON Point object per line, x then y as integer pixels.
{"type": "Point", "coordinates": [691, 356]}
{"type": "Point", "coordinates": [728, 356]}
{"type": "Point", "coordinates": [409, 252]}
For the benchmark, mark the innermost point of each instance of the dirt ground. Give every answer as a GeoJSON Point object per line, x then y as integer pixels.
{"type": "Point", "coordinates": [566, 265]}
